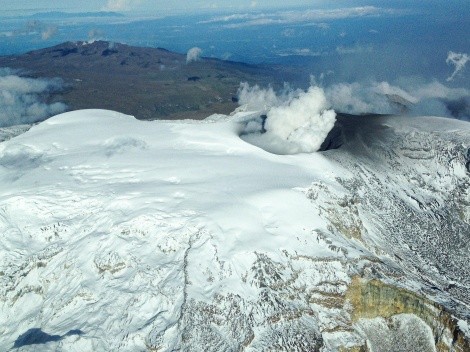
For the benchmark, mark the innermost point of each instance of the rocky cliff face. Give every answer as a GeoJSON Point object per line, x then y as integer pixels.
{"type": "Point", "coordinates": [387, 314]}
{"type": "Point", "coordinates": [402, 200]}
{"type": "Point", "coordinates": [408, 203]}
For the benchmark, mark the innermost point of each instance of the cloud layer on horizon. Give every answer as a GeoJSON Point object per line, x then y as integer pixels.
{"type": "Point", "coordinates": [33, 27]}
{"type": "Point", "coordinates": [120, 5]}
{"type": "Point", "coordinates": [291, 17]}
{"type": "Point", "coordinates": [408, 96]}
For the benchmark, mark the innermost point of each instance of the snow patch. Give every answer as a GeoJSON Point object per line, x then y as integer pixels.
{"type": "Point", "coordinates": [399, 333]}
{"type": "Point", "coordinates": [183, 236]}
{"type": "Point", "coordinates": [20, 156]}
{"type": "Point", "coordinates": [121, 144]}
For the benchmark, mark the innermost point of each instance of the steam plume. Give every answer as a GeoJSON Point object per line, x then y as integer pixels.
{"type": "Point", "coordinates": [297, 121]}
{"type": "Point", "coordinates": [194, 54]}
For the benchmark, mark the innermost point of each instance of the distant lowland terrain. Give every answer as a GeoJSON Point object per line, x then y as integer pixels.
{"type": "Point", "coordinates": [149, 83]}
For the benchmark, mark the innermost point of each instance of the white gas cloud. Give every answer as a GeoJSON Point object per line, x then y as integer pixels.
{"type": "Point", "coordinates": [35, 27]}
{"type": "Point", "coordinates": [353, 98]}
{"type": "Point", "coordinates": [432, 98]}
{"type": "Point", "coordinates": [48, 32]}
{"type": "Point", "coordinates": [296, 121]}
{"type": "Point", "coordinates": [375, 97]}
{"type": "Point", "coordinates": [458, 60]}
{"type": "Point", "coordinates": [95, 34]}
{"type": "Point", "coordinates": [20, 99]}
{"type": "Point", "coordinates": [194, 54]}
{"type": "Point", "coordinates": [255, 98]}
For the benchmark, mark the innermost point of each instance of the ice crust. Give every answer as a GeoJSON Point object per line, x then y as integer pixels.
{"type": "Point", "coordinates": [128, 231]}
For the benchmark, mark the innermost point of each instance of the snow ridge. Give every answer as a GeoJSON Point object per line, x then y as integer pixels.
{"type": "Point", "coordinates": [167, 235]}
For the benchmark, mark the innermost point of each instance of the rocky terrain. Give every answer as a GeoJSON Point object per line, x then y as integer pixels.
{"type": "Point", "coordinates": [163, 236]}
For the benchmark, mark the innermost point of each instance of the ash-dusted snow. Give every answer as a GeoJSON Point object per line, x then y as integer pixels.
{"type": "Point", "coordinates": [180, 235]}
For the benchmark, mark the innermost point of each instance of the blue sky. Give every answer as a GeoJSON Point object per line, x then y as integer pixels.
{"type": "Point", "coordinates": [162, 8]}
{"type": "Point", "coordinates": [174, 6]}
{"type": "Point", "coordinates": [354, 48]}
{"type": "Point", "coordinates": [180, 6]}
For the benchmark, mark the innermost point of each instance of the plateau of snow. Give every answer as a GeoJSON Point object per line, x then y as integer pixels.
{"type": "Point", "coordinates": [119, 234]}
{"type": "Point", "coordinates": [114, 206]}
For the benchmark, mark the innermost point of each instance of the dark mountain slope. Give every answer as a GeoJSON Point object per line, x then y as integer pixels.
{"type": "Point", "coordinates": [148, 83]}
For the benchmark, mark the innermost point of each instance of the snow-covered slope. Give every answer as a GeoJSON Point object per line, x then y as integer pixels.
{"type": "Point", "coordinates": [119, 234]}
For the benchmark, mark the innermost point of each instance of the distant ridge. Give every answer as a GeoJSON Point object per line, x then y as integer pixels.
{"type": "Point", "coordinates": [148, 83]}
{"type": "Point", "coordinates": [61, 14]}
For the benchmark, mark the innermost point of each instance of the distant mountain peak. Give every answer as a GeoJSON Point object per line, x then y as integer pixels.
{"type": "Point", "coordinates": [150, 83]}
{"type": "Point", "coordinates": [96, 48]}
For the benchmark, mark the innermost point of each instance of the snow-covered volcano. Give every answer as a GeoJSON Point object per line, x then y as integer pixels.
{"type": "Point", "coordinates": [125, 235]}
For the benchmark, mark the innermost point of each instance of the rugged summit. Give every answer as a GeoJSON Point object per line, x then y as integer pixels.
{"type": "Point", "coordinates": [137, 235]}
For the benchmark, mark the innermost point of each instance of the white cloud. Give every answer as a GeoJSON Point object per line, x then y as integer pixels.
{"type": "Point", "coordinates": [288, 33]}
{"type": "Point", "coordinates": [332, 14]}
{"type": "Point", "coordinates": [296, 122]}
{"type": "Point", "coordinates": [436, 89]}
{"type": "Point", "coordinates": [20, 101]}
{"type": "Point", "coordinates": [305, 52]}
{"type": "Point", "coordinates": [234, 17]}
{"type": "Point", "coordinates": [7, 34]}
{"type": "Point", "coordinates": [194, 54]}
{"type": "Point", "coordinates": [320, 25]}
{"type": "Point", "coordinates": [289, 17]}
{"type": "Point", "coordinates": [459, 60]}
{"type": "Point", "coordinates": [121, 5]}
{"type": "Point", "coordinates": [255, 22]}
{"type": "Point", "coordinates": [342, 50]}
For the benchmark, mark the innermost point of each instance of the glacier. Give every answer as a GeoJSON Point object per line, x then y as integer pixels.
{"type": "Point", "coordinates": [127, 235]}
